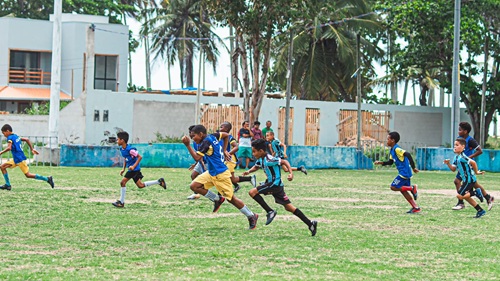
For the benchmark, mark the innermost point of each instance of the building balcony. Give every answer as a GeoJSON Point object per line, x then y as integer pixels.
{"type": "Point", "coordinates": [34, 76]}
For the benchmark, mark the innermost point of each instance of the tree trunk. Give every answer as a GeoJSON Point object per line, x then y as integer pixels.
{"type": "Point", "coordinates": [423, 93]}
{"type": "Point", "coordinates": [245, 75]}
{"type": "Point", "coordinates": [189, 69]}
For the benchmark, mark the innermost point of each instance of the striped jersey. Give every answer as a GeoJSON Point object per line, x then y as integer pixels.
{"type": "Point", "coordinates": [461, 161]}
{"type": "Point", "coordinates": [272, 167]}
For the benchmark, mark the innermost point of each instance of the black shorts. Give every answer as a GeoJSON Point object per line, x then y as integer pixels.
{"type": "Point", "coordinates": [277, 191]}
{"type": "Point", "coordinates": [467, 187]}
{"type": "Point", "coordinates": [135, 175]}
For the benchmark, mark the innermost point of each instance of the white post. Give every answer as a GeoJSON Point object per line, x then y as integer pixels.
{"type": "Point", "coordinates": [455, 108]}
{"type": "Point", "coordinates": [55, 81]}
{"type": "Point", "coordinates": [90, 59]}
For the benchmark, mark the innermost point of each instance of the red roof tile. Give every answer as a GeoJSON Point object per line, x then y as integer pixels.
{"type": "Point", "coordinates": [15, 93]}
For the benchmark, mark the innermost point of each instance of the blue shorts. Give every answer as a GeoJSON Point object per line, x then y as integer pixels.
{"type": "Point", "coordinates": [467, 187]}
{"type": "Point", "coordinates": [245, 152]}
{"type": "Point", "coordinates": [399, 182]}
{"type": "Point", "coordinates": [459, 177]}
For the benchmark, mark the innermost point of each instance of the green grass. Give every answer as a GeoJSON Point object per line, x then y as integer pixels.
{"type": "Point", "coordinates": [364, 233]}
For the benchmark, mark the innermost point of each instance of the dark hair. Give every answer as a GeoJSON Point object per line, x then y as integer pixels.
{"type": "Point", "coordinates": [395, 136]}
{"type": "Point", "coordinates": [123, 136]}
{"type": "Point", "coordinates": [243, 124]}
{"type": "Point", "coordinates": [256, 123]}
{"type": "Point", "coordinates": [462, 141]}
{"type": "Point", "coordinates": [6, 127]}
{"type": "Point", "coordinates": [228, 125]}
{"type": "Point", "coordinates": [259, 144]}
{"type": "Point", "coordinates": [270, 132]}
{"type": "Point", "coordinates": [199, 129]}
{"type": "Point", "coordinates": [465, 126]}
{"type": "Point", "coordinates": [191, 128]}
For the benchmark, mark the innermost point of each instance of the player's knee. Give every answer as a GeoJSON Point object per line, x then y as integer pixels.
{"type": "Point", "coordinates": [393, 188]}
{"type": "Point", "coordinates": [253, 192]}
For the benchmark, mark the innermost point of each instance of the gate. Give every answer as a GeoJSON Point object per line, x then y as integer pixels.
{"type": "Point", "coordinates": [281, 125]}
{"type": "Point", "coordinates": [312, 126]}
{"type": "Point", "coordinates": [214, 114]}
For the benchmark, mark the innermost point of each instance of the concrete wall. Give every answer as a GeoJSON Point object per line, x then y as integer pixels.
{"type": "Point", "coordinates": [432, 159]}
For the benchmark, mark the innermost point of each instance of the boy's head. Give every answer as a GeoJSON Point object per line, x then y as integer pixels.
{"type": "Point", "coordinates": [199, 133]}
{"type": "Point", "coordinates": [259, 148]}
{"type": "Point", "coordinates": [459, 145]}
{"type": "Point", "coordinates": [122, 138]}
{"type": "Point", "coordinates": [269, 136]}
{"type": "Point", "coordinates": [226, 127]}
{"type": "Point", "coordinates": [6, 130]}
{"type": "Point", "coordinates": [190, 130]}
{"type": "Point", "coordinates": [392, 138]}
{"type": "Point", "coordinates": [245, 124]}
{"type": "Point", "coordinates": [268, 123]}
{"type": "Point", "coordinates": [256, 124]}
{"type": "Point", "coordinates": [464, 129]}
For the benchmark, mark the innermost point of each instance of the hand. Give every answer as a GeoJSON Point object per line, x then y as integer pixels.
{"type": "Point", "coordinates": [186, 140]}
{"type": "Point", "coordinates": [245, 173]}
{"type": "Point", "coordinates": [378, 162]}
{"type": "Point", "coordinates": [290, 177]}
{"type": "Point", "coordinates": [131, 168]}
{"type": "Point", "coordinates": [34, 151]}
{"type": "Point", "coordinates": [285, 157]}
{"type": "Point", "coordinates": [446, 161]}
{"type": "Point", "coordinates": [121, 172]}
{"type": "Point", "coordinates": [480, 172]}
{"type": "Point", "coordinates": [415, 170]}
{"type": "Point", "coordinates": [227, 156]}
{"type": "Point", "coordinates": [192, 167]}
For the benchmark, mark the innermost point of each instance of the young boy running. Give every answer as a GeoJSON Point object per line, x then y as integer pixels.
{"type": "Point", "coordinates": [197, 168]}
{"type": "Point", "coordinates": [218, 175]}
{"type": "Point", "coordinates": [274, 185]}
{"type": "Point", "coordinates": [468, 170]}
{"type": "Point", "coordinates": [18, 158]}
{"type": "Point", "coordinates": [132, 160]}
{"type": "Point", "coordinates": [402, 182]}
{"type": "Point", "coordinates": [278, 149]}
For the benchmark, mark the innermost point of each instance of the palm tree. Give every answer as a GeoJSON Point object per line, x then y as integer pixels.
{"type": "Point", "coordinates": [177, 30]}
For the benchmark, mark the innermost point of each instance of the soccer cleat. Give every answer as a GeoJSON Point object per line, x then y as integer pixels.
{"type": "Point", "coordinates": [313, 227]}
{"type": "Point", "coordinates": [252, 221]}
{"type": "Point", "coordinates": [50, 180]}
{"type": "Point", "coordinates": [303, 169]}
{"type": "Point", "coordinates": [414, 210]}
{"type": "Point", "coordinates": [480, 214]}
{"type": "Point", "coordinates": [253, 180]}
{"type": "Point", "coordinates": [5, 187]}
{"type": "Point", "coordinates": [193, 196]}
{"type": "Point", "coordinates": [118, 204]}
{"type": "Point", "coordinates": [218, 203]}
{"type": "Point", "coordinates": [270, 216]}
{"type": "Point", "coordinates": [479, 195]}
{"type": "Point", "coordinates": [490, 203]}
{"type": "Point", "coordinates": [236, 188]}
{"type": "Point", "coordinates": [162, 183]}
{"type": "Point", "coordinates": [414, 191]}
{"type": "Point", "coordinates": [458, 207]}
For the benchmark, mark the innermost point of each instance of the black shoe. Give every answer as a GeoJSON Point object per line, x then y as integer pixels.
{"type": "Point", "coordinates": [303, 169]}
{"type": "Point", "coordinates": [50, 180]}
{"type": "Point", "coordinates": [218, 203]}
{"type": "Point", "coordinates": [118, 204]}
{"type": "Point", "coordinates": [6, 187]}
{"type": "Point", "coordinates": [313, 227]}
{"type": "Point", "coordinates": [236, 188]}
{"type": "Point", "coordinates": [252, 221]}
{"type": "Point", "coordinates": [162, 183]}
{"type": "Point", "coordinates": [270, 216]}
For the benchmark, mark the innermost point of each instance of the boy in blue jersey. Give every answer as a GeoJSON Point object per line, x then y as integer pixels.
{"type": "Point", "coordinates": [132, 160]}
{"type": "Point", "coordinates": [278, 149]}
{"type": "Point", "coordinates": [197, 168]}
{"type": "Point", "coordinates": [468, 170]}
{"type": "Point", "coordinates": [18, 158]}
{"type": "Point", "coordinates": [218, 175]}
{"type": "Point", "coordinates": [274, 185]}
{"type": "Point", "coordinates": [472, 150]}
{"type": "Point", "coordinates": [232, 149]}
{"type": "Point", "coordinates": [405, 164]}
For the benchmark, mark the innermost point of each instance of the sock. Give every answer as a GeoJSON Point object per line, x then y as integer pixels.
{"type": "Point", "coordinates": [302, 217]}
{"type": "Point", "coordinates": [478, 208]}
{"type": "Point", "coordinates": [212, 196]}
{"type": "Point", "coordinates": [407, 188]}
{"type": "Point", "coordinates": [6, 177]}
{"type": "Point", "coordinates": [487, 197]}
{"type": "Point", "coordinates": [42, 178]}
{"type": "Point", "coordinates": [262, 203]}
{"type": "Point", "coordinates": [246, 211]}
{"type": "Point", "coordinates": [243, 179]}
{"type": "Point", "coordinates": [235, 185]}
{"type": "Point", "coordinates": [148, 183]}
{"type": "Point", "coordinates": [411, 201]}
{"type": "Point", "coordinates": [122, 194]}
{"type": "Point", "coordinates": [460, 202]}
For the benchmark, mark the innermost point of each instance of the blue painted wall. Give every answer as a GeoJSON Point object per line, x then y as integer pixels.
{"type": "Point", "coordinates": [432, 159]}
{"type": "Point", "coordinates": [174, 155]}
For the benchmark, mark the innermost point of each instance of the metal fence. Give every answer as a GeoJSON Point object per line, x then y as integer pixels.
{"type": "Point", "coordinates": [47, 147]}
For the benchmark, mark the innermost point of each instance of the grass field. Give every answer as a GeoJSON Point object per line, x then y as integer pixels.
{"type": "Point", "coordinates": [74, 233]}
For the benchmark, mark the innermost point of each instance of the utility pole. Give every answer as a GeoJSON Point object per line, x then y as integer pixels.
{"type": "Point", "coordinates": [455, 89]}
{"type": "Point", "coordinates": [358, 87]}
{"type": "Point", "coordinates": [90, 59]}
{"type": "Point", "coordinates": [288, 88]}
{"type": "Point", "coordinates": [55, 81]}
{"type": "Point", "coordinates": [482, 126]}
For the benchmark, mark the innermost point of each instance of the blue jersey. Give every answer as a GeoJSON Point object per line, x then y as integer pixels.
{"type": "Point", "coordinates": [130, 155]}
{"type": "Point", "coordinates": [211, 150]}
{"type": "Point", "coordinates": [16, 148]}
{"type": "Point", "coordinates": [277, 148]}
{"type": "Point", "coordinates": [272, 167]}
{"type": "Point", "coordinates": [470, 146]}
{"type": "Point", "coordinates": [461, 161]}
{"type": "Point", "coordinates": [402, 163]}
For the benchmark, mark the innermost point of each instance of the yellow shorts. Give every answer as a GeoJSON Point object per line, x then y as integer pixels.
{"type": "Point", "coordinates": [22, 165]}
{"type": "Point", "coordinates": [221, 181]}
{"type": "Point", "coordinates": [231, 165]}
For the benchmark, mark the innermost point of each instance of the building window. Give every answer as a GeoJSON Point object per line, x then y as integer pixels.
{"type": "Point", "coordinates": [105, 72]}
{"type": "Point", "coordinates": [96, 115]}
{"type": "Point", "coordinates": [30, 67]}
{"type": "Point", "coordinates": [105, 116]}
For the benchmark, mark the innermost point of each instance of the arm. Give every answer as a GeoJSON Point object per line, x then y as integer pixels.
{"type": "Point", "coordinates": [124, 167]}
{"type": "Point", "coordinates": [235, 149]}
{"type": "Point", "coordinates": [478, 152]}
{"type": "Point", "coordinates": [8, 148]}
{"type": "Point", "coordinates": [288, 167]}
{"type": "Point", "coordinates": [26, 140]}
{"type": "Point", "coordinates": [225, 137]}
{"type": "Point", "coordinates": [410, 159]}
{"type": "Point", "coordinates": [453, 168]}
{"type": "Point", "coordinates": [271, 149]}
{"type": "Point", "coordinates": [386, 163]}
{"type": "Point", "coordinates": [187, 142]}
{"type": "Point", "coordinates": [474, 166]}
{"type": "Point", "coordinates": [284, 150]}
{"type": "Point", "coordinates": [253, 169]}
{"type": "Point", "coordinates": [139, 158]}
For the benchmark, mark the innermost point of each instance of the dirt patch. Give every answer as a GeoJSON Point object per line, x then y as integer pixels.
{"type": "Point", "coordinates": [348, 200]}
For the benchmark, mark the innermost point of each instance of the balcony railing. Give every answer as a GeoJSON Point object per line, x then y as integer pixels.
{"type": "Point", "coordinates": [29, 76]}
